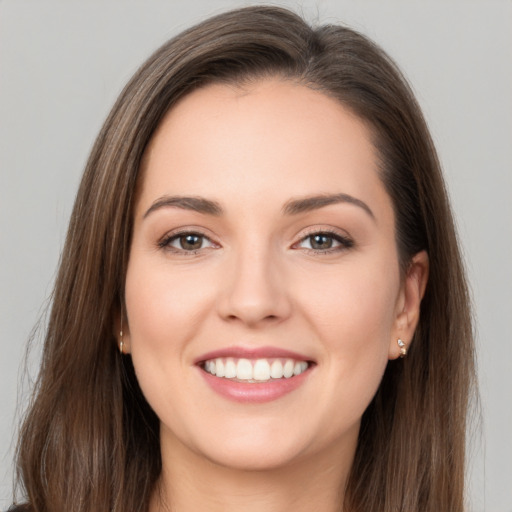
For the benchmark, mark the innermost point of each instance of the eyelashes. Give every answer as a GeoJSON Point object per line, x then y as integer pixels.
{"type": "Point", "coordinates": [317, 242]}
{"type": "Point", "coordinates": [322, 242]}
{"type": "Point", "coordinates": [186, 242]}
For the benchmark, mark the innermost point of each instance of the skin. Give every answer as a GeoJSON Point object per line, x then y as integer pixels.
{"type": "Point", "coordinates": [257, 280]}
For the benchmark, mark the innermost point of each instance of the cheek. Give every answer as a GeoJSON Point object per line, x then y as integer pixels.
{"type": "Point", "coordinates": [352, 306]}
{"type": "Point", "coordinates": [163, 306]}
{"type": "Point", "coordinates": [353, 313]}
{"type": "Point", "coordinates": [164, 314]}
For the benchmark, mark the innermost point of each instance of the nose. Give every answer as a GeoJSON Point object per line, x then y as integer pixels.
{"type": "Point", "coordinates": [254, 290]}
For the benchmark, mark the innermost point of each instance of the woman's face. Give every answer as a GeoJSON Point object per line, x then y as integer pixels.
{"type": "Point", "coordinates": [263, 244]}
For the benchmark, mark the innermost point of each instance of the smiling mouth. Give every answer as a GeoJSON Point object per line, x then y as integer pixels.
{"type": "Point", "coordinates": [254, 370]}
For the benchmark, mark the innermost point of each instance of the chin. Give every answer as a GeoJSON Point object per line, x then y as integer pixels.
{"type": "Point", "coordinates": [254, 458]}
{"type": "Point", "coordinates": [263, 446]}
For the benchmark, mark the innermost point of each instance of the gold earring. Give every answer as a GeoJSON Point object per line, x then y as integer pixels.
{"type": "Point", "coordinates": [403, 348]}
{"type": "Point", "coordinates": [121, 349]}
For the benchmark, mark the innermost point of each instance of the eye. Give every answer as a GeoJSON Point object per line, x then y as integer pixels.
{"type": "Point", "coordinates": [186, 242]}
{"type": "Point", "coordinates": [325, 241]}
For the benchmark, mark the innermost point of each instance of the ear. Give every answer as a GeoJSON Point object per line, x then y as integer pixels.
{"type": "Point", "coordinates": [122, 332]}
{"type": "Point", "coordinates": [408, 304]}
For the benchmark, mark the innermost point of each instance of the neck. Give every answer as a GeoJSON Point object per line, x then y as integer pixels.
{"type": "Point", "coordinates": [190, 482]}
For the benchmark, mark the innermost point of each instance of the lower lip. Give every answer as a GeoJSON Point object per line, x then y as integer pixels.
{"type": "Point", "coordinates": [254, 392]}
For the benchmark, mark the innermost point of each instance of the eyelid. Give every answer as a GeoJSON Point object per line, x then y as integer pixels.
{"type": "Point", "coordinates": [342, 237]}
{"type": "Point", "coordinates": [164, 241]}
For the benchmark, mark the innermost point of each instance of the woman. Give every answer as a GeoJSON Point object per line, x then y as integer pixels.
{"type": "Point", "coordinates": [261, 302]}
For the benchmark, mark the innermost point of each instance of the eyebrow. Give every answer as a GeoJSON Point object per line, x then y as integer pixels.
{"type": "Point", "coordinates": [311, 203]}
{"type": "Point", "coordinates": [292, 207]}
{"type": "Point", "coordinates": [196, 204]}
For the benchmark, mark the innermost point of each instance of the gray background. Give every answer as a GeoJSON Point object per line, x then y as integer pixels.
{"type": "Point", "coordinates": [62, 64]}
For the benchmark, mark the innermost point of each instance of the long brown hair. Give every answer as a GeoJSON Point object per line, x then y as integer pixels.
{"type": "Point", "coordinates": [90, 440]}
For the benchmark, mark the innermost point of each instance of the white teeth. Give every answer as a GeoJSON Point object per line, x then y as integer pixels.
{"type": "Point", "coordinates": [288, 369]}
{"type": "Point", "coordinates": [210, 367]}
{"type": "Point", "coordinates": [244, 369]}
{"type": "Point", "coordinates": [276, 370]}
{"type": "Point", "coordinates": [259, 370]}
{"type": "Point", "coordinates": [299, 367]}
{"type": "Point", "coordinates": [230, 369]}
{"type": "Point", "coordinates": [219, 368]}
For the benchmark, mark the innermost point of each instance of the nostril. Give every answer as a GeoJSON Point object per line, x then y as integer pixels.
{"type": "Point", "coordinates": [252, 319]}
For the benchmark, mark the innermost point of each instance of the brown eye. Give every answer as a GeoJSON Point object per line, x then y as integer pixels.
{"type": "Point", "coordinates": [190, 242]}
{"type": "Point", "coordinates": [325, 242]}
{"type": "Point", "coordinates": [321, 241]}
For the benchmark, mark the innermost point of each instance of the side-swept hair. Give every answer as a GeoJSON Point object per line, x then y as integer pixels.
{"type": "Point", "coordinates": [90, 441]}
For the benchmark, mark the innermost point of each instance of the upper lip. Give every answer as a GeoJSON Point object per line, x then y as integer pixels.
{"type": "Point", "coordinates": [252, 353]}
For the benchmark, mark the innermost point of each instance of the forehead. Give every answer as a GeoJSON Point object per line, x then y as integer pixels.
{"type": "Point", "coordinates": [272, 137]}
